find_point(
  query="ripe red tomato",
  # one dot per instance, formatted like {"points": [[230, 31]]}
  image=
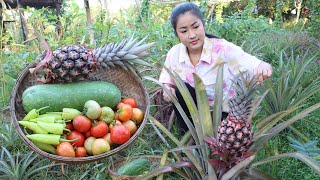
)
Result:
{"points": [[81, 152], [137, 116], [113, 123], [81, 123], [131, 126], [65, 149], [125, 112], [99, 130], [68, 126], [119, 105], [132, 102], [75, 134], [87, 134], [119, 134]]}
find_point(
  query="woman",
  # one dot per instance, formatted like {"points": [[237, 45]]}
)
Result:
{"points": [[199, 52]]}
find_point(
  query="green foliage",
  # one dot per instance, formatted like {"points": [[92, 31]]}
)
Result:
{"points": [[314, 18], [278, 16], [235, 28], [8, 135], [23, 167], [293, 83], [248, 9], [269, 45], [7, 85]]}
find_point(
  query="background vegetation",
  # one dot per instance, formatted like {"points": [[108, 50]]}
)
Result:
{"points": [[284, 33]]}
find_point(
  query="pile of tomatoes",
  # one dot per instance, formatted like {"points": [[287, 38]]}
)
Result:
{"points": [[100, 129]]}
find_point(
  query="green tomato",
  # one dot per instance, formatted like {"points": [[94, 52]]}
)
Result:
{"points": [[100, 146], [92, 109], [88, 144], [107, 115]]}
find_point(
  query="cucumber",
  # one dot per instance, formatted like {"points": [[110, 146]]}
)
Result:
{"points": [[72, 95], [135, 168]]}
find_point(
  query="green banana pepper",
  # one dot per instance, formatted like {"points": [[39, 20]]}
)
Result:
{"points": [[43, 119], [34, 113], [45, 147], [56, 116], [33, 127], [52, 139], [70, 113], [54, 128]]}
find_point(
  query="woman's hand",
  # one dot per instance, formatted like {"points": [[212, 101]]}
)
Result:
{"points": [[263, 71], [166, 97]]}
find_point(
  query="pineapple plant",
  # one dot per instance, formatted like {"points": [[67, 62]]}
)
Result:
{"points": [[75, 62], [235, 134]]}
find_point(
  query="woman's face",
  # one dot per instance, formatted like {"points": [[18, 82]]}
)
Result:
{"points": [[190, 31]]}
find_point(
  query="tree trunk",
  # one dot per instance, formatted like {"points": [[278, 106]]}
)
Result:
{"points": [[1, 15], [89, 21], [23, 23], [59, 25], [298, 4], [105, 5]]}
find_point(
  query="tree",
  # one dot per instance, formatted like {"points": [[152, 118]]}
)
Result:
{"points": [[89, 21]]}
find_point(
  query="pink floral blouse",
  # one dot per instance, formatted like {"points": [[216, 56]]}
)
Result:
{"points": [[215, 51]]}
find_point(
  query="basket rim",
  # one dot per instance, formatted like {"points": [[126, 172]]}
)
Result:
{"points": [[77, 160]]}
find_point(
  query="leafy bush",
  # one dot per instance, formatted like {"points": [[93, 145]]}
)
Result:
{"points": [[272, 43], [236, 28]]}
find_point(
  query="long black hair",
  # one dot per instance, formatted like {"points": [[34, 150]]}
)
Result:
{"points": [[183, 8]]}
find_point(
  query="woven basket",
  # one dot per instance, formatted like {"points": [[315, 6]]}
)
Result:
{"points": [[129, 84]]}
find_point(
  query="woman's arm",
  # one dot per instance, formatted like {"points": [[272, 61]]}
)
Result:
{"points": [[248, 62]]}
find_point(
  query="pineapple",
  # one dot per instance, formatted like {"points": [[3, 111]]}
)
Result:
{"points": [[234, 133], [234, 136], [74, 62]]}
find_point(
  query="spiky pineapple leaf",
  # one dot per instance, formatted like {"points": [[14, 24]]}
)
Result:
{"points": [[163, 161], [314, 165], [218, 99], [258, 174], [205, 120], [310, 148], [168, 168], [270, 121], [190, 156], [178, 106], [278, 128], [29, 167], [203, 106], [235, 169]]}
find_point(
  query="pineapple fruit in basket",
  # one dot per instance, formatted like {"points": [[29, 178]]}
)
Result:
{"points": [[74, 62]]}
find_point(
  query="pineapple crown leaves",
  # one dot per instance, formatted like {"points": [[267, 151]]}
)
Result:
{"points": [[244, 86], [125, 53]]}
